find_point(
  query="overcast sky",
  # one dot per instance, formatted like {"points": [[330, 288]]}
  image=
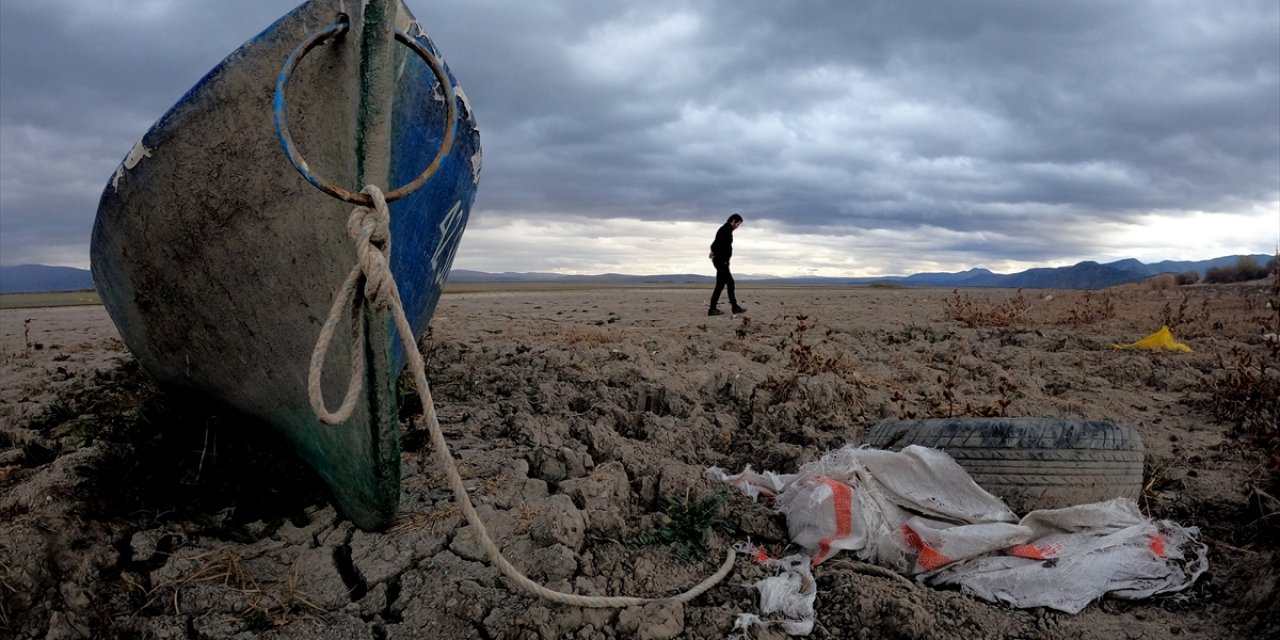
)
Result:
{"points": [[855, 137]]}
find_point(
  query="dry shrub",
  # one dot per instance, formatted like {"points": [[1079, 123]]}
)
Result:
{"points": [[943, 400], [1091, 309], [1186, 313], [982, 312], [1245, 392], [1245, 269], [812, 359], [1161, 282]]}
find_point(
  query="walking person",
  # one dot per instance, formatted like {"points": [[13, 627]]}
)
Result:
{"points": [[721, 252]]}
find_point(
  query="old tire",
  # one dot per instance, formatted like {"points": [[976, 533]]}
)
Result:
{"points": [[1031, 463]]}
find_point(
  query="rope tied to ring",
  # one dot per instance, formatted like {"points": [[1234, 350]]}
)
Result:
{"points": [[369, 229]]}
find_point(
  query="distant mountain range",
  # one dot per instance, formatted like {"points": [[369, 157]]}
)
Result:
{"points": [[38, 278], [1084, 275], [34, 278]]}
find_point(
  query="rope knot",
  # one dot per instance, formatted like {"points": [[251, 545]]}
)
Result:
{"points": [[370, 231]]}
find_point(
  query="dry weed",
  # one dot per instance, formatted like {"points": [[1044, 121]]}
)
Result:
{"points": [[525, 518], [982, 312], [264, 608], [1161, 282], [1244, 391], [942, 400], [1186, 313], [431, 521], [813, 359], [1091, 310], [491, 485]]}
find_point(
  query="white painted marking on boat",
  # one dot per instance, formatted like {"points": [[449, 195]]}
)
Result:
{"points": [[415, 29], [466, 103], [450, 230], [476, 161], [136, 154]]}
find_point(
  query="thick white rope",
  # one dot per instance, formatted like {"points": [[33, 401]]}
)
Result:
{"points": [[369, 229]]}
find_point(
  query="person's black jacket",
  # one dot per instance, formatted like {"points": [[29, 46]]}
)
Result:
{"points": [[723, 244]]}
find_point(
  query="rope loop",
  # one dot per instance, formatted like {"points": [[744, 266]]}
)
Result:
{"points": [[370, 231]]}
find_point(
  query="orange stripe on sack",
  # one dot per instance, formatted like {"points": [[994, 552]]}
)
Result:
{"points": [[911, 538], [1036, 551], [842, 497], [1027, 551], [929, 559], [1157, 546]]}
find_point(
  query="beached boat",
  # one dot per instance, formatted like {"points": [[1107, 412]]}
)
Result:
{"points": [[221, 240]]}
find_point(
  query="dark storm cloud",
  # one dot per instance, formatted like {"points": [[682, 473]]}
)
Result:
{"points": [[985, 130], [79, 83], [952, 113]]}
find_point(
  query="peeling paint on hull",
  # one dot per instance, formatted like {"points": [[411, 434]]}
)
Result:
{"points": [[136, 154]]}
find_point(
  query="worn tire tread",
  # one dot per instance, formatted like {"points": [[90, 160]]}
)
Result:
{"points": [[1031, 463]]}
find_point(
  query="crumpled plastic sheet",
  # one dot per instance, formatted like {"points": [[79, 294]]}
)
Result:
{"points": [[919, 513], [1161, 340], [786, 599]]}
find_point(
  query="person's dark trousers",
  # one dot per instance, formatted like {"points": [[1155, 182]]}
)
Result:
{"points": [[724, 279]]}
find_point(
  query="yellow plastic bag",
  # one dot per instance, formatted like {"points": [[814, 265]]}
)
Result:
{"points": [[1161, 340]]}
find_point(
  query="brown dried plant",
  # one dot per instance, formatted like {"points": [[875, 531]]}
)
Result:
{"points": [[1091, 310], [982, 312], [431, 521], [946, 402], [264, 608], [1185, 313], [811, 359], [525, 517], [1244, 391]]}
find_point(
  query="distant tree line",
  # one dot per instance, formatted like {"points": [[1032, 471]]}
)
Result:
{"points": [[1246, 268]]}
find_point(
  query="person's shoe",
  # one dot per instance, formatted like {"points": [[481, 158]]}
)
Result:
{"points": [[714, 312], [737, 309]]}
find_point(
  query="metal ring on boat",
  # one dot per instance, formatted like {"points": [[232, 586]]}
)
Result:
{"points": [[291, 150]]}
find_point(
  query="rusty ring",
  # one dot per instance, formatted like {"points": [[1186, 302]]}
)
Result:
{"points": [[291, 150]]}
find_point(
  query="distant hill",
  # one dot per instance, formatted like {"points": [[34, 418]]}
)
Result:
{"points": [[31, 278], [1092, 275], [38, 278], [1083, 275]]}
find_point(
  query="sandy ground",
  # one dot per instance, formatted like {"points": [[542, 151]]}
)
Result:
{"points": [[578, 418]]}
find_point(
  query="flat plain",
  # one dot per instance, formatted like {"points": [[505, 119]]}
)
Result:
{"points": [[583, 419]]}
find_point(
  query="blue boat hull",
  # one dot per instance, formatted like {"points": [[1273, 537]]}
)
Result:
{"points": [[218, 262]]}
